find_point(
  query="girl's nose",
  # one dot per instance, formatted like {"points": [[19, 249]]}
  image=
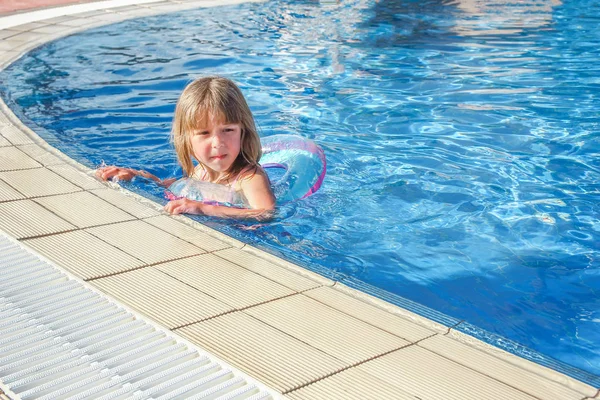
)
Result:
{"points": [[217, 140]]}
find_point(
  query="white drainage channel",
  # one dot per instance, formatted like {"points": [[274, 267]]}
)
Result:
{"points": [[59, 339]]}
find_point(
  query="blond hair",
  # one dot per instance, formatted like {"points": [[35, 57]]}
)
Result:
{"points": [[220, 99]]}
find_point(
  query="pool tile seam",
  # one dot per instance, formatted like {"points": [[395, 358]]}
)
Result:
{"points": [[185, 240], [369, 323], [215, 253], [353, 365], [234, 309], [542, 371], [480, 372]]}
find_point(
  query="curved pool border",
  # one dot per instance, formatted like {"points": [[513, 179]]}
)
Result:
{"points": [[301, 331]]}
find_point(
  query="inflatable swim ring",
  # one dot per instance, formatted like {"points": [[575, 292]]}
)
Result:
{"points": [[296, 167]]}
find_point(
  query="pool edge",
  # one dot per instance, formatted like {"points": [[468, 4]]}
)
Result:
{"points": [[353, 290]]}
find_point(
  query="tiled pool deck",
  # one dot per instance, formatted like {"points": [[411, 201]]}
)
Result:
{"points": [[304, 335]]}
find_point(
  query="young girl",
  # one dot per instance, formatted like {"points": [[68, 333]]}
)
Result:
{"points": [[214, 125]]}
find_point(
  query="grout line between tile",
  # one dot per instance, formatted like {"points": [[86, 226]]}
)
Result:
{"points": [[366, 322], [357, 364], [136, 268], [483, 373], [187, 241], [43, 196], [256, 273], [453, 327], [597, 396], [48, 234]]}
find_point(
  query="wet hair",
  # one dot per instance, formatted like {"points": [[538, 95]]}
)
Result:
{"points": [[217, 98]]}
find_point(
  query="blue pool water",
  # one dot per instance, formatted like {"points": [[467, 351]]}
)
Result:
{"points": [[462, 142]]}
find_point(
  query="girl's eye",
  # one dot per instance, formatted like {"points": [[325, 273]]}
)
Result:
{"points": [[202, 133]]}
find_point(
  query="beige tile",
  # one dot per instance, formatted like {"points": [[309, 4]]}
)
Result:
{"points": [[329, 330], [501, 370], [313, 276], [4, 120], [187, 233], [28, 26], [162, 298], [4, 142], [83, 209], [12, 158], [14, 135], [77, 177], [427, 375], [265, 268], [225, 281], [38, 182], [24, 218], [127, 203], [393, 309], [75, 21], [50, 29], [25, 36], [7, 58], [84, 255], [8, 44], [350, 384], [144, 241], [375, 316], [7, 33], [267, 354], [522, 363], [7, 193], [40, 155]]}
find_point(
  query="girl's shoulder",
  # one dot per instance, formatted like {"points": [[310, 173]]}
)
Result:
{"points": [[250, 173]]}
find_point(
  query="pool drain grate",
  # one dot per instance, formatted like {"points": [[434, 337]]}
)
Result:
{"points": [[59, 339]]}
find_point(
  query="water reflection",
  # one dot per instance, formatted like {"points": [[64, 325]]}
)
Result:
{"points": [[503, 17]]}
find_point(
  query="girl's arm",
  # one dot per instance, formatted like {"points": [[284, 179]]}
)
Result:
{"points": [[256, 189], [127, 174]]}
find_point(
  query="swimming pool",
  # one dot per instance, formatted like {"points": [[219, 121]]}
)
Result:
{"points": [[461, 143]]}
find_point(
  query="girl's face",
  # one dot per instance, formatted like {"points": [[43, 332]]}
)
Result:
{"points": [[217, 146]]}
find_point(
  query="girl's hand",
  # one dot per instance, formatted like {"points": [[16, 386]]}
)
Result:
{"points": [[185, 206], [111, 172]]}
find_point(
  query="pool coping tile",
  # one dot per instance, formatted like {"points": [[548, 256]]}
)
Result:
{"points": [[225, 281], [75, 208], [77, 177], [26, 218], [40, 155], [162, 298], [425, 374], [38, 182], [523, 364], [12, 159], [267, 354], [14, 135], [205, 241], [144, 241], [8, 193], [84, 255], [497, 368], [127, 202], [350, 384], [338, 334], [285, 276], [232, 332], [399, 325]]}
